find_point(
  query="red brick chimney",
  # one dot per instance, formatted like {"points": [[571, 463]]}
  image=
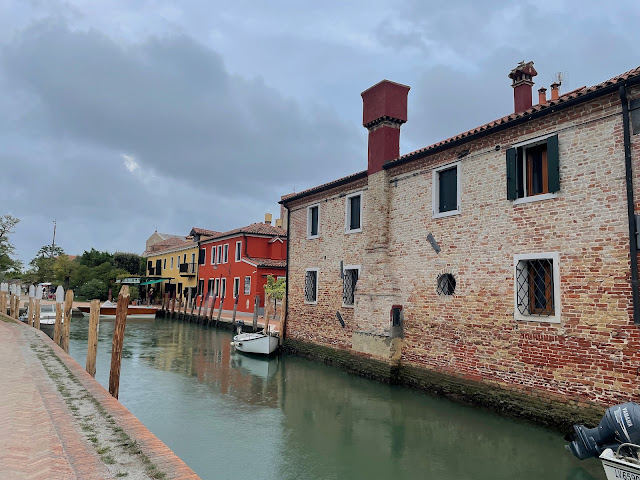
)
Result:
{"points": [[522, 77], [555, 90], [542, 96], [384, 110]]}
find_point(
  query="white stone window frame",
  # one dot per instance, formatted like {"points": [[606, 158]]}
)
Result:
{"points": [[236, 287], [317, 270], [223, 288], [435, 190], [344, 271], [533, 142], [216, 287], [347, 212], [213, 255], [219, 256], [238, 256], [247, 291], [309, 208], [555, 258], [225, 253]]}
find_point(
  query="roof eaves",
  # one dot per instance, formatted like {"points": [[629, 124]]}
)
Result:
{"points": [[568, 100], [326, 186]]}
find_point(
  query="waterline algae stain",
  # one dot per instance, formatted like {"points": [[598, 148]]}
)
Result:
{"points": [[290, 418]]}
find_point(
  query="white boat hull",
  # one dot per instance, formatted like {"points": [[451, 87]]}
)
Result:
{"points": [[618, 469], [257, 343]]}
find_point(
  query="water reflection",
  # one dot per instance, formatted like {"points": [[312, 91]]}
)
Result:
{"points": [[294, 419]]}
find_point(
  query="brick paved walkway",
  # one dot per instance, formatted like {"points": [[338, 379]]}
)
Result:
{"points": [[41, 438]]}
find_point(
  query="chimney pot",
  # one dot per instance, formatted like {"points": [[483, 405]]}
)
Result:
{"points": [[384, 110], [522, 77], [542, 96], [555, 90], [267, 218]]}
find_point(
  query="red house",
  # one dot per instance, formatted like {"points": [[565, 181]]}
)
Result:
{"points": [[236, 264]]}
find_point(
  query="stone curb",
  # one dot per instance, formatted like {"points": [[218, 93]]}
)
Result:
{"points": [[161, 455]]}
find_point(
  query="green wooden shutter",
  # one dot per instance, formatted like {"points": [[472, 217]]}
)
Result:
{"points": [[512, 174], [553, 163]]}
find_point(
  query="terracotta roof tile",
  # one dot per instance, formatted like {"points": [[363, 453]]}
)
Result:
{"points": [[255, 228], [204, 231], [267, 262]]}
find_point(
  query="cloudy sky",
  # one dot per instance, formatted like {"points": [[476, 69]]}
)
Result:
{"points": [[119, 117]]}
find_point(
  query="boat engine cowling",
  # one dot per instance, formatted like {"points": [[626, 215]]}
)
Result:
{"points": [[620, 424]]}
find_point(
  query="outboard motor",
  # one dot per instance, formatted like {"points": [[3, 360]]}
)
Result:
{"points": [[620, 424]]}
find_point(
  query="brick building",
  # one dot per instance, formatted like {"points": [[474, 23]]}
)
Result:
{"points": [[494, 265]]}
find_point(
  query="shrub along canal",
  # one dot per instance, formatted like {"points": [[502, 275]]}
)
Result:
{"points": [[229, 416]]}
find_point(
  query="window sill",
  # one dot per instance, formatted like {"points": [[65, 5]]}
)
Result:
{"points": [[535, 198], [310, 303], [537, 318], [348, 306], [311, 237], [357, 230], [450, 213]]}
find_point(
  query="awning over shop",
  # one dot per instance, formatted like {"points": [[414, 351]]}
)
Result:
{"points": [[149, 282]]}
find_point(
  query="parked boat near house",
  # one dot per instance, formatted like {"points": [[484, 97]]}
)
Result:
{"points": [[108, 310], [259, 343]]}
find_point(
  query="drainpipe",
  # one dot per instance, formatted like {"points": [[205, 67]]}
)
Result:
{"points": [[633, 247], [286, 286]]}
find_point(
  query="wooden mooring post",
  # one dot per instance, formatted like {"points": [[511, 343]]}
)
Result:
{"points": [[173, 303], [30, 311], [213, 307], [193, 302], [3, 301], [66, 325], [256, 307], [57, 328], [283, 313], [118, 339], [179, 306], [11, 305], [200, 308], [92, 346], [219, 310], [235, 309], [267, 302], [36, 318]]}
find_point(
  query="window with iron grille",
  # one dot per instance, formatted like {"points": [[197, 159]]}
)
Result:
{"points": [[311, 285], [536, 287], [446, 284], [247, 285], [349, 281]]}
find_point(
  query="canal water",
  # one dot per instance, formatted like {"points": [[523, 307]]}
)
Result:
{"points": [[230, 416]]}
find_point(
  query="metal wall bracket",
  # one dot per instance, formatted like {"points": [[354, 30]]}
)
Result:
{"points": [[433, 243]]}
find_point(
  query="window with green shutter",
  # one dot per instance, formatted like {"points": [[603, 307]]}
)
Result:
{"points": [[533, 169], [446, 190]]}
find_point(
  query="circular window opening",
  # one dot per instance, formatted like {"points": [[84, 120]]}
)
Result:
{"points": [[446, 284]]}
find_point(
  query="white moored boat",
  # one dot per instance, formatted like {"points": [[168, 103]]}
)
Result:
{"points": [[259, 343], [624, 463]]}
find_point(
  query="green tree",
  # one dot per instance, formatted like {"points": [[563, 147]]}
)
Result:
{"points": [[93, 289], [276, 289], [63, 269], [127, 261], [49, 251], [94, 258], [7, 225]]}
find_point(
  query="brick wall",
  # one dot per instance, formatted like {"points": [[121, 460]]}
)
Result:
{"points": [[592, 355]]}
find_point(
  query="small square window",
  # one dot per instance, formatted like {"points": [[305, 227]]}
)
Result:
{"points": [[446, 190], [311, 286], [353, 216], [349, 281], [313, 221], [537, 292]]}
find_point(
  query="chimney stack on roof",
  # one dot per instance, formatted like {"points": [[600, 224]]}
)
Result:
{"points": [[267, 218], [542, 96], [522, 77], [555, 90], [384, 110]]}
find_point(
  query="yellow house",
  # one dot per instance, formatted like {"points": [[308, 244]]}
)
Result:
{"points": [[175, 259]]}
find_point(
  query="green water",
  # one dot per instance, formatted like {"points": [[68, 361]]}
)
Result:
{"points": [[229, 416]]}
